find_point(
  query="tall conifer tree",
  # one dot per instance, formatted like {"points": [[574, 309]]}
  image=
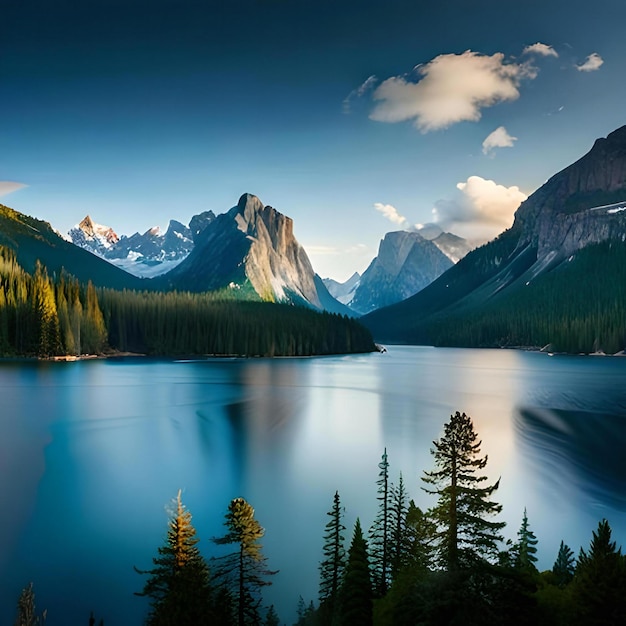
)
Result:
{"points": [[380, 532], [355, 596], [463, 509], [178, 585], [333, 565], [244, 572], [526, 547]]}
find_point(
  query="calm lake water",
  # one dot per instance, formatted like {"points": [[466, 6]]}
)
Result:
{"points": [[92, 452]]}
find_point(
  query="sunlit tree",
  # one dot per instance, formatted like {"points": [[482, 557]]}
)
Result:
{"points": [[244, 572], [178, 585]]}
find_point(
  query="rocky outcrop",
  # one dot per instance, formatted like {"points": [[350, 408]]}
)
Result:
{"points": [[253, 246], [406, 263], [581, 204]]}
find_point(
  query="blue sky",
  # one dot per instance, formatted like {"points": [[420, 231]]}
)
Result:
{"points": [[353, 118]]}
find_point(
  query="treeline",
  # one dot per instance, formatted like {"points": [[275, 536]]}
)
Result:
{"points": [[48, 316], [446, 565], [579, 306]]}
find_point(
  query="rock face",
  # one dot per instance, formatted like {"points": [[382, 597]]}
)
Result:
{"points": [[253, 245], [148, 254], [584, 204], [406, 263], [581, 204]]}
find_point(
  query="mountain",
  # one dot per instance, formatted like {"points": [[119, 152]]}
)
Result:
{"points": [[555, 277], [344, 292], [406, 263], [32, 239], [148, 254], [251, 249]]}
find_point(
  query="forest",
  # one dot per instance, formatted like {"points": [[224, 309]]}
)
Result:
{"points": [[47, 316], [447, 565]]}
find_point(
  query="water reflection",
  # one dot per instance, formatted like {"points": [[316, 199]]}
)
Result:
{"points": [[92, 452], [570, 452]]}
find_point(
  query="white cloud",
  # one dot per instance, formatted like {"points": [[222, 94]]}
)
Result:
{"points": [[541, 49], [499, 138], [451, 88], [359, 92], [392, 214], [7, 187], [482, 210], [591, 64]]}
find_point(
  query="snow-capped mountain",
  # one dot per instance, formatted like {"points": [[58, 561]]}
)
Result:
{"points": [[149, 254], [344, 292]]}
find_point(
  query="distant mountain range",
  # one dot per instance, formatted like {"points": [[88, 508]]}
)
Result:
{"points": [[149, 254], [407, 261], [556, 278]]}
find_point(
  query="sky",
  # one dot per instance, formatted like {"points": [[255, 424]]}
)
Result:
{"points": [[354, 118]]}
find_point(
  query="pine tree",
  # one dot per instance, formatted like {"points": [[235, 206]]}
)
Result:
{"points": [[464, 531], [178, 585], [355, 595], [420, 537], [271, 619], [525, 548], [599, 581], [243, 572], [564, 566], [380, 532], [26, 611], [399, 539], [333, 565]]}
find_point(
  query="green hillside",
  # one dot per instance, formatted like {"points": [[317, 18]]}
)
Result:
{"points": [[32, 239]]}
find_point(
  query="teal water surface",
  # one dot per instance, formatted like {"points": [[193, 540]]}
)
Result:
{"points": [[91, 453]]}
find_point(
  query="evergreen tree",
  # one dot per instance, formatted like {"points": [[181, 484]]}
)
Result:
{"points": [[420, 537], [355, 595], [599, 581], [525, 548], [380, 532], [26, 611], [243, 572], [399, 543], [333, 565], [464, 531], [564, 566], [271, 619], [178, 585]]}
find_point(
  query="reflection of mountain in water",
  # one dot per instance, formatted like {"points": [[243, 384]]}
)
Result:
{"points": [[571, 447]]}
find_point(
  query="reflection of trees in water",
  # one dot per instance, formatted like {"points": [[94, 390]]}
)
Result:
{"points": [[580, 448]]}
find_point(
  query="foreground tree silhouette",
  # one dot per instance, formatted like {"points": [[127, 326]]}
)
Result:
{"points": [[355, 595], [599, 581], [380, 532], [464, 532], [243, 572], [333, 565], [564, 566], [525, 548], [178, 585]]}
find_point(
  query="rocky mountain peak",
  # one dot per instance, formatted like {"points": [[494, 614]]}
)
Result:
{"points": [[576, 206]]}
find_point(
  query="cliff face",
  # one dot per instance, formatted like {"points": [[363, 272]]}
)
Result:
{"points": [[581, 204], [276, 264], [253, 243], [406, 263]]}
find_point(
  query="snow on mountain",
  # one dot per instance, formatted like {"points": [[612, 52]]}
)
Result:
{"points": [[146, 255], [344, 292]]}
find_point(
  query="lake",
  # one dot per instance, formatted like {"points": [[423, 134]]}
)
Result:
{"points": [[92, 452]]}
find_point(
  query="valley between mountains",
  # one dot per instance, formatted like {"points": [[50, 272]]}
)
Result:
{"points": [[555, 280]]}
